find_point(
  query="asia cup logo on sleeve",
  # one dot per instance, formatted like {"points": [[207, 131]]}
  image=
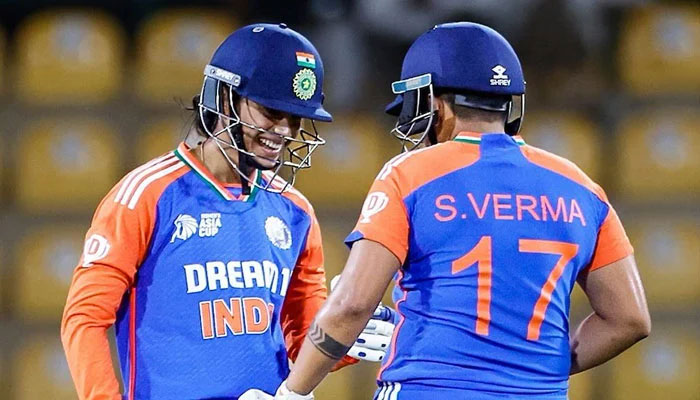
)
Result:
{"points": [[375, 202], [278, 233]]}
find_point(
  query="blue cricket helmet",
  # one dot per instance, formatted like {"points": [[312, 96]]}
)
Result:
{"points": [[462, 57], [272, 65]]}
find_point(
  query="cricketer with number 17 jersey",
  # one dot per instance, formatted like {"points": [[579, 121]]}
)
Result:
{"points": [[492, 234]]}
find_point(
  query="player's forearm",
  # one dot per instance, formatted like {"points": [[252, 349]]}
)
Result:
{"points": [[89, 359], [93, 299], [329, 338], [598, 340]]}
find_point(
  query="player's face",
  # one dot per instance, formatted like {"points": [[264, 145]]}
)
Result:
{"points": [[267, 146]]}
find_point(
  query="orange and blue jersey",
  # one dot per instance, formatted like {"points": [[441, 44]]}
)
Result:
{"points": [[492, 234], [210, 290]]}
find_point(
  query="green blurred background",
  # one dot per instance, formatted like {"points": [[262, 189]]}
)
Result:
{"points": [[89, 90]]}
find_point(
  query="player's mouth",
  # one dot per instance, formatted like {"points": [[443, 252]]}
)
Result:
{"points": [[271, 148]]}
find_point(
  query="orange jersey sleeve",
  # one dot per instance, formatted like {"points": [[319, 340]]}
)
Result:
{"points": [[384, 218], [306, 293], [613, 243], [115, 246]]}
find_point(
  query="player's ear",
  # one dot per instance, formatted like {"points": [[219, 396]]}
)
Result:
{"points": [[445, 117]]}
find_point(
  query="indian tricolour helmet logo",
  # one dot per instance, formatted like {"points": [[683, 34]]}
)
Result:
{"points": [[278, 233]]}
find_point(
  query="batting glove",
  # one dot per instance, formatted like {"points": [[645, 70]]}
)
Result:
{"points": [[373, 342], [283, 393]]}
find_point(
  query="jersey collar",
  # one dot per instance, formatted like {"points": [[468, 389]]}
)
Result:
{"points": [[182, 152], [475, 137]]}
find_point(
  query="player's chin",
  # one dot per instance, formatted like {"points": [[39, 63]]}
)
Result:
{"points": [[266, 162]]}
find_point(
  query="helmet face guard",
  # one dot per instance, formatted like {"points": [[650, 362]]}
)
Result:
{"points": [[295, 156], [416, 118]]}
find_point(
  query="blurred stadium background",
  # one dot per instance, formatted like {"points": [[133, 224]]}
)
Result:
{"points": [[88, 91]]}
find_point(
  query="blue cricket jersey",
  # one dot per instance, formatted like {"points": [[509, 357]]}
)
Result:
{"points": [[492, 234], [204, 284]]}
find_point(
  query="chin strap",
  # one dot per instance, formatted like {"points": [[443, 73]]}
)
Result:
{"points": [[244, 161]]}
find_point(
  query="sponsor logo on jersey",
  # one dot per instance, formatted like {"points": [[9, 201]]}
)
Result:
{"points": [[374, 203], [278, 233], [96, 248], [220, 275], [244, 315], [499, 78]]}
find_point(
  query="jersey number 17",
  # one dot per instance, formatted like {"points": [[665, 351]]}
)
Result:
{"points": [[481, 255]]}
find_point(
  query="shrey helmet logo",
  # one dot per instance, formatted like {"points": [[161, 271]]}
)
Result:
{"points": [[96, 248], [375, 202], [304, 84], [278, 233], [499, 70], [185, 226], [499, 78]]}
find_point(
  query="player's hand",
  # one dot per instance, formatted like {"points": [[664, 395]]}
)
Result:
{"points": [[283, 393], [255, 394], [373, 342]]}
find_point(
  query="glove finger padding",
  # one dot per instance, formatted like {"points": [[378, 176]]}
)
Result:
{"points": [[362, 353], [373, 342], [376, 327]]}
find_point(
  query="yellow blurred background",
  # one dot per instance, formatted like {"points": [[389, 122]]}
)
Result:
{"points": [[88, 90]]}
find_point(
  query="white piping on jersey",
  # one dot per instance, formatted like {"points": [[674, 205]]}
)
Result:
{"points": [[395, 162], [380, 396], [147, 181], [133, 184], [135, 172], [390, 391]]}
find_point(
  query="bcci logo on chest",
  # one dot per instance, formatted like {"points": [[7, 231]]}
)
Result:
{"points": [[186, 226], [278, 233]]}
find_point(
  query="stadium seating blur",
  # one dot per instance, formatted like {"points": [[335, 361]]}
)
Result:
{"points": [[4, 273], [668, 254], [581, 386], [65, 165], [3, 46], [174, 46], [72, 56], [659, 49], [658, 155], [159, 137], [568, 135], [44, 262], [334, 250], [356, 149], [87, 93], [664, 366], [40, 370]]}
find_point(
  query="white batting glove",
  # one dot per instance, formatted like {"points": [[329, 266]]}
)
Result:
{"points": [[255, 394], [283, 393], [373, 342]]}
